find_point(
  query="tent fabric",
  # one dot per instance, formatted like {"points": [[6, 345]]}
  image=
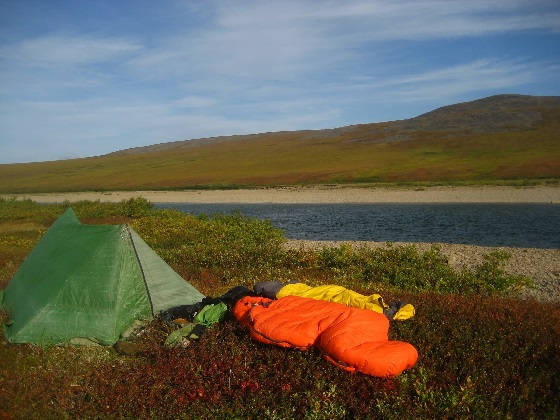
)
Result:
{"points": [[351, 338], [167, 288], [88, 282]]}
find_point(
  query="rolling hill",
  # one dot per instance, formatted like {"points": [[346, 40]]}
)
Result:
{"points": [[504, 137]]}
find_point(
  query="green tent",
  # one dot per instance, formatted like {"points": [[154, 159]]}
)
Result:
{"points": [[89, 283]]}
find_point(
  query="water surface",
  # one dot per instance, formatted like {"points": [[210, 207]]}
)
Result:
{"points": [[516, 225]]}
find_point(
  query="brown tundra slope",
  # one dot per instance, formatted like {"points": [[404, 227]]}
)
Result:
{"points": [[504, 137]]}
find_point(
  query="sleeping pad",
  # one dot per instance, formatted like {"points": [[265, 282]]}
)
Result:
{"points": [[339, 294], [351, 338]]}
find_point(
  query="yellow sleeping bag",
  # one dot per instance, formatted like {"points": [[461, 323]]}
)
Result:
{"points": [[339, 294]]}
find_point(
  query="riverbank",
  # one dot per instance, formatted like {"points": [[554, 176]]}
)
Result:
{"points": [[320, 194], [541, 265]]}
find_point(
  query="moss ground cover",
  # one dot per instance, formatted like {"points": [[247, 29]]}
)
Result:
{"points": [[482, 353]]}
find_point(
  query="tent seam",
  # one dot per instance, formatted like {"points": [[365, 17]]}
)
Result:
{"points": [[141, 270]]}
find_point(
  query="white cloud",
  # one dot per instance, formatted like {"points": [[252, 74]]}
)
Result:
{"points": [[271, 40], [60, 50], [478, 76], [253, 66], [446, 83], [385, 20], [58, 129], [194, 102], [484, 70]]}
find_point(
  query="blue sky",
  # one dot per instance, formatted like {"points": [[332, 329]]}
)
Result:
{"points": [[82, 78]]}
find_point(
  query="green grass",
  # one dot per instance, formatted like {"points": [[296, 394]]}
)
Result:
{"points": [[483, 353]]}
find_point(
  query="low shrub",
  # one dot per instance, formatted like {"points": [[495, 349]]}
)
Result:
{"points": [[405, 268], [490, 276], [239, 250], [12, 210], [481, 355]]}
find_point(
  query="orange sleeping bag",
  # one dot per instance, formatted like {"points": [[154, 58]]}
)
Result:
{"points": [[351, 338]]}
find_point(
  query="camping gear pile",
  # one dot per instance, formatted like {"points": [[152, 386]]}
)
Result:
{"points": [[350, 329], [196, 317], [92, 284]]}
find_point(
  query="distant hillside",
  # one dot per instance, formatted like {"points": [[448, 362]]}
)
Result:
{"points": [[488, 115], [500, 137]]}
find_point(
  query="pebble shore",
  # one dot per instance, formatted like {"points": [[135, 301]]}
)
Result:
{"points": [[321, 194]]}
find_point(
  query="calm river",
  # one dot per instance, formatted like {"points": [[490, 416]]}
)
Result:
{"points": [[516, 225]]}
